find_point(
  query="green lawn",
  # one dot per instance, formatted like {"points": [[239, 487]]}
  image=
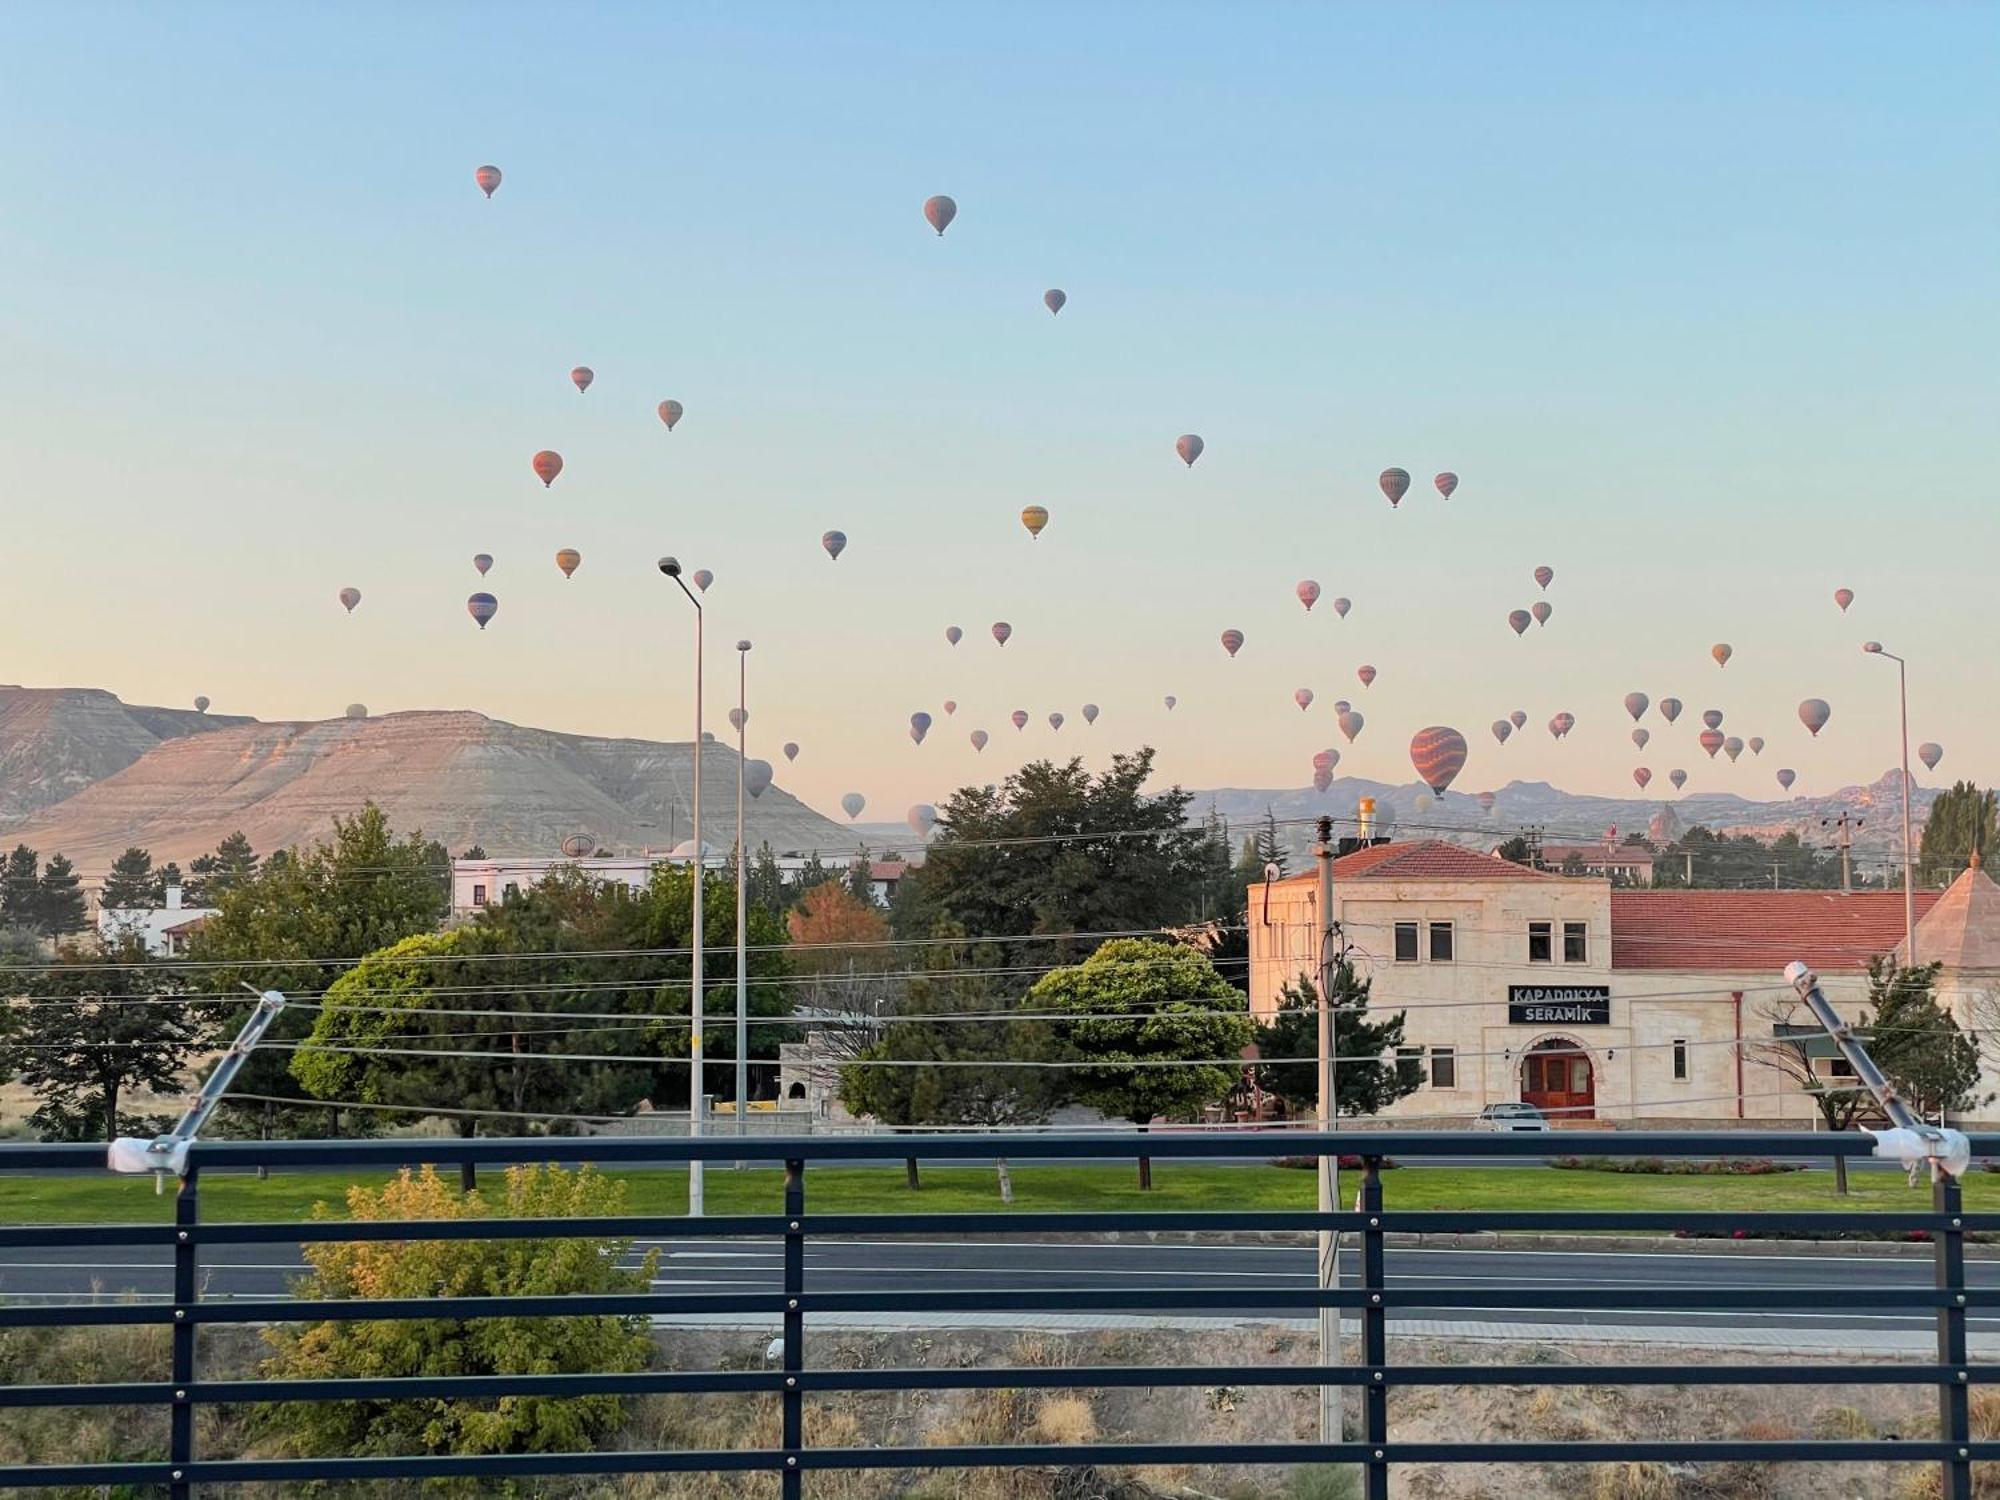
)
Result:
{"points": [[108, 1199]]}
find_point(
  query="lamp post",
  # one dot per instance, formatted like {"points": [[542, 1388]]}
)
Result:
{"points": [[742, 718], [672, 568], [1874, 648]]}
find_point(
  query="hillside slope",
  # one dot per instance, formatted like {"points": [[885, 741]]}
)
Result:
{"points": [[54, 742]]}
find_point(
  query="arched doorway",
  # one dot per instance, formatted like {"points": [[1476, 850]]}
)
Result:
{"points": [[1557, 1078]]}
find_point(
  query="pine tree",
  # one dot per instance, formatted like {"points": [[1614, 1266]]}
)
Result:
{"points": [[213, 876], [1360, 1088], [21, 889], [1916, 1042], [861, 876], [60, 906], [130, 884], [1961, 822], [167, 877]]}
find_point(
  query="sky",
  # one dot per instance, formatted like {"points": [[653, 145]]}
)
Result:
{"points": [[1699, 301]]}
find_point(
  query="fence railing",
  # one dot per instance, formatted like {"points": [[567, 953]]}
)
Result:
{"points": [[1372, 1296]]}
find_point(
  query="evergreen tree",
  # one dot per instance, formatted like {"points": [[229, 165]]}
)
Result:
{"points": [[165, 878], [21, 889], [767, 883], [1961, 822], [1360, 1088], [861, 876], [131, 883], [475, 852], [1916, 1042], [232, 866], [60, 905]]}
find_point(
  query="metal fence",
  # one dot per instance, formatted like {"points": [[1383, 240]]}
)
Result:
{"points": [[1375, 1451]]}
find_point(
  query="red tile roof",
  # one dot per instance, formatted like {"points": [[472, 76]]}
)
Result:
{"points": [[1429, 859], [1755, 930]]}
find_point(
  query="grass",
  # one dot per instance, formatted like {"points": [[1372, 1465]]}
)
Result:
{"points": [[28, 1199]]}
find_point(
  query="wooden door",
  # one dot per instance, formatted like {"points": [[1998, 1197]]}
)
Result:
{"points": [[1560, 1082]]}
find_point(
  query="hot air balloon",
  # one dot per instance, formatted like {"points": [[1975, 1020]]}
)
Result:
{"points": [[1554, 727], [1756, 743], [1322, 780], [1001, 630], [482, 561], [835, 543], [979, 738], [922, 818], [581, 378], [1170, 700], [951, 706], [1711, 718], [1640, 736], [1722, 651], [1034, 517], [547, 464], [1486, 801], [569, 560], [702, 578], [1678, 778], [1518, 718], [1308, 593], [1019, 718], [1342, 606], [1636, 705], [953, 634], [1711, 741], [1056, 721], [1395, 484], [1325, 760], [1786, 777], [920, 725], [1843, 597], [1053, 299], [1502, 729], [1670, 709], [939, 211], [1565, 721], [357, 710], [1438, 753], [670, 413], [1732, 747], [738, 717], [791, 749], [756, 776], [1366, 674], [488, 179], [1541, 609], [1304, 698], [1340, 706], [1929, 752], [1232, 641], [1545, 575], [1446, 483], [1642, 776], [1813, 713], [1351, 724], [1189, 445], [1090, 713], [482, 607], [349, 597], [851, 804], [201, 707], [1519, 620]]}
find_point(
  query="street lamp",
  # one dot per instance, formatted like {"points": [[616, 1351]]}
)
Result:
{"points": [[1874, 648], [671, 566], [742, 718]]}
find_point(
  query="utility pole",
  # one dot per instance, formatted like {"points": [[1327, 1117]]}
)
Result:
{"points": [[1844, 826], [696, 1099], [1332, 1398]]}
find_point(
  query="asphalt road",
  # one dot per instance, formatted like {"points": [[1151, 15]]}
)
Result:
{"points": [[267, 1271]]}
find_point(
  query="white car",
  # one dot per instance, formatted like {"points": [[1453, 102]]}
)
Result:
{"points": [[1512, 1117]]}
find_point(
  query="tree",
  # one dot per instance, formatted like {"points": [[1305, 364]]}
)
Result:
{"points": [[1265, 848], [93, 1030], [1916, 1042], [1961, 823], [166, 878], [21, 889], [1517, 850], [841, 942], [475, 852], [765, 886], [1360, 1088], [130, 884], [1161, 1025], [213, 876], [452, 1347], [1797, 1041], [61, 907], [861, 876]]}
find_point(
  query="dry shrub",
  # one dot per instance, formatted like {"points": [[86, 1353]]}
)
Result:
{"points": [[1633, 1481], [1985, 1405], [1039, 1351], [1066, 1420], [1766, 1431], [1842, 1424]]}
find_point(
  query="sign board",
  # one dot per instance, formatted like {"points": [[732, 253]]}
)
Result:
{"points": [[1559, 1004]]}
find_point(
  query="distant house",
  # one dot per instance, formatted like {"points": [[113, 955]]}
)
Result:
{"points": [[164, 930], [1623, 864], [479, 883]]}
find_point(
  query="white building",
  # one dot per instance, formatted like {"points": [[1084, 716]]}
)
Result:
{"points": [[478, 883], [164, 930]]}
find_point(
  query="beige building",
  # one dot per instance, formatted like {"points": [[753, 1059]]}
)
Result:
{"points": [[1595, 1003]]}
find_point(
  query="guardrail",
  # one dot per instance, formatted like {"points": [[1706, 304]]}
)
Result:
{"points": [[1376, 1451]]}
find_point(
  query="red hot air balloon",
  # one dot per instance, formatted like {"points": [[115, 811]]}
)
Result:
{"points": [[482, 607], [1395, 484], [547, 464], [1366, 674], [1342, 606], [1545, 575], [939, 211], [1518, 620], [1722, 651], [1711, 718], [1053, 299], [670, 413], [1930, 752], [1001, 631], [1642, 776], [1636, 705], [581, 378], [1711, 741], [569, 560], [488, 179], [1325, 760], [1786, 777], [1446, 483], [1541, 609], [1502, 730], [1438, 753], [1232, 641], [1019, 717], [1813, 713], [1670, 709], [1843, 597], [1189, 445], [1308, 593], [1678, 778]]}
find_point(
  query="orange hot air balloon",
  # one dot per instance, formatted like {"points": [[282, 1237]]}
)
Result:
{"points": [[569, 559], [1722, 651], [1034, 517], [548, 464], [581, 378], [939, 211], [488, 179], [1438, 753], [1189, 445], [1843, 597], [670, 413], [1395, 484]]}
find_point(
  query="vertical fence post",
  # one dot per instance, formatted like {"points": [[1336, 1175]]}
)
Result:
{"points": [[1374, 1334], [795, 1325], [180, 1425], [1954, 1405]]}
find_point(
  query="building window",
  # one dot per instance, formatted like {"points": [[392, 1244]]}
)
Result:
{"points": [[1680, 1059], [1539, 943], [513, 889], [1837, 1067], [1444, 1067], [1406, 942], [479, 895], [1576, 945], [1410, 1064], [1440, 942]]}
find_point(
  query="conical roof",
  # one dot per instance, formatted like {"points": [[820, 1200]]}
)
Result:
{"points": [[1962, 931]]}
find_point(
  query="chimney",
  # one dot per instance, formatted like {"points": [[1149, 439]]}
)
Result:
{"points": [[173, 898]]}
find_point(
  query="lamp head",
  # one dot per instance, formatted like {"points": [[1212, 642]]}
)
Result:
{"points": [[742, 645], [1271, 872], [1873, 648], [671, 566]]}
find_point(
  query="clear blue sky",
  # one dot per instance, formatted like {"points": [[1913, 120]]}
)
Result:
{"points": [[1700, 300]]}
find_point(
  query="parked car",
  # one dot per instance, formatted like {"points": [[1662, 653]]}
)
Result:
{"points": [[1512, 1117]]}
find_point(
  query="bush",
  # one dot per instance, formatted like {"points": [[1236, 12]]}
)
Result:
{"points": [[443, 1269], [1657, 1166], [1348, 1163]]}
